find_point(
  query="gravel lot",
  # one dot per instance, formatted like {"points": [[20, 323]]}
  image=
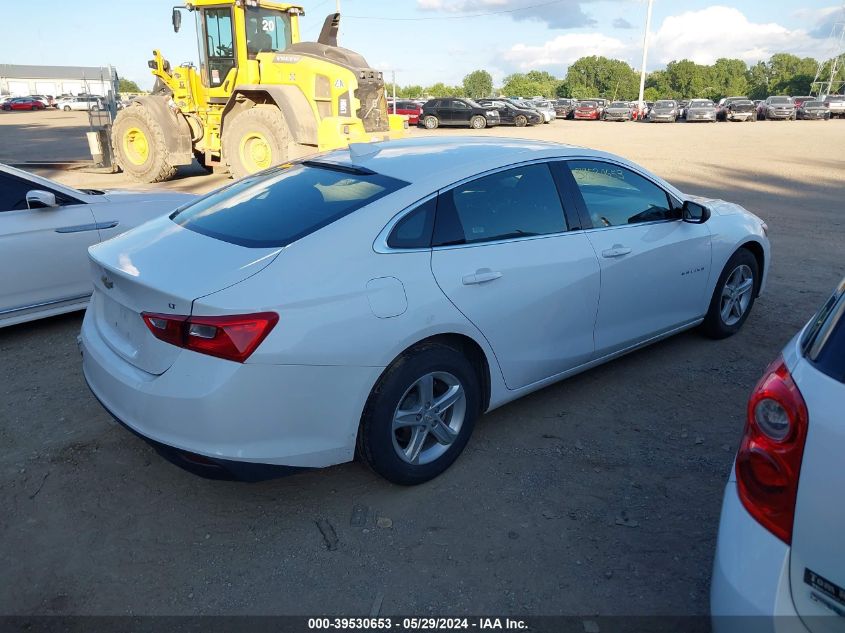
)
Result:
{"points": [[599, 495]]}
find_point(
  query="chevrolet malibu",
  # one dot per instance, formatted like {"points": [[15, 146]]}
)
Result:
{"points": [[779, 551], [377, 300]]}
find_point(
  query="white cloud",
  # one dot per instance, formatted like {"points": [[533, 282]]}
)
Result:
{"points": [[557, 14], [702, 36], [565, 49]]}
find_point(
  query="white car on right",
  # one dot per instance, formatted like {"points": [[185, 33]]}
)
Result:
{"points": [[780, 554]]}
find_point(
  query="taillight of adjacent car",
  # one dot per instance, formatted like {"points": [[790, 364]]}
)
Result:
{"points": [[231, 337], [769, 459]]}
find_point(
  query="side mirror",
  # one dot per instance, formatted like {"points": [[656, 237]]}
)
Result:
{"points": [[177, 19], [37, 199], [694, 213]]}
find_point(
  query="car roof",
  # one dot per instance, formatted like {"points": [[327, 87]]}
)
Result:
{"points": [[440, 161]]}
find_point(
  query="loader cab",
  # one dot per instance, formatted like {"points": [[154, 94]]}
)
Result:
{"points": [[230, 35]]}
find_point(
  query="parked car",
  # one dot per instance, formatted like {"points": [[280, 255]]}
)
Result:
{"points": [[797, 101], [80, 103], [23, 103], [47, 100], [258, 327], [587, 110], [701, 110], [736, 109], [564, 108], [812, 110], [530, 105], [777, 107], [601, 104], [462, 112], [618, 111], [546, 109], [778, 556], [409, 109], [509, 114], [836, 105], [46, 229], [665, 110]]}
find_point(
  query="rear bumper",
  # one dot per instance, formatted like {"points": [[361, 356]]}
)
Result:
{"points": [[749, 590], [237, 416]]}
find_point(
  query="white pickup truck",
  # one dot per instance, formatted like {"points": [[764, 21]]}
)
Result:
{"points": [[836, 105]]}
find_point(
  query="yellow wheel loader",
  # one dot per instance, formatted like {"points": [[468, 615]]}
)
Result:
{"points": [[259, 98]]}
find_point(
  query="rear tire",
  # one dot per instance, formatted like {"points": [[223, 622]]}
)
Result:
{"points": [[256, 139], [389, 449], [730, 306], [478, 122], [66, 108], [138, 144], [430, 122]]}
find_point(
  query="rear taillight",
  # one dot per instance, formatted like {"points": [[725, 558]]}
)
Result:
{"points": [[232, 337], [769, 459]]}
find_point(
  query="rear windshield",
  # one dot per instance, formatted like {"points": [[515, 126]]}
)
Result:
{"points": [[780, 100], [664, 104], [836, 98], [618, 104], [587, 104], [700, 103], [813, 104], [824, 340], [281, 205]]}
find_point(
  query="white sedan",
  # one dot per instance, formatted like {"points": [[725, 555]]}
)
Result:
{"points": [[45, 231], [381, 298], [780, 550]]}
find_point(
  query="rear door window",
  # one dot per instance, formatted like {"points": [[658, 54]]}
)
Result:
{"points": [[519, 202], [281, 205]]}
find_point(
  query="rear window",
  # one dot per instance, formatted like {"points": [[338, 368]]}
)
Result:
{"points": [[824, 340], [281, 205]]}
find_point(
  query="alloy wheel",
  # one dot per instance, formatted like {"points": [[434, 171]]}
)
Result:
{"points": [[428, 418], [736, 294]]}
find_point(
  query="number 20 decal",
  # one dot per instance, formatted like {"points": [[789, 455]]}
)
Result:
{"points": [[268, 24]]}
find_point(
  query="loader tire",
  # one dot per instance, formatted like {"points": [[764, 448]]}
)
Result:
{"points": [[256, 139], [139, 146]]}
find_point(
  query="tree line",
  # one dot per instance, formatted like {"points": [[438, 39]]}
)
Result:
{"points": [[597, 76]]}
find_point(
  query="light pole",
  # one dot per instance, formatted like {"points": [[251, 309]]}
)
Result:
{"points": [[645, 53]]}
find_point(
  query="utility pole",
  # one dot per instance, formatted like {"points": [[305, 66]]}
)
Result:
{"points": [[394, 89], [645, 53]]}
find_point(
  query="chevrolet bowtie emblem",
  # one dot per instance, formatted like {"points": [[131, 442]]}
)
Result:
{"points": [[108, 283]]}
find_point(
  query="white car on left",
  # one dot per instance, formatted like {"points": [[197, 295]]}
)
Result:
{"points": [[45, 231]]}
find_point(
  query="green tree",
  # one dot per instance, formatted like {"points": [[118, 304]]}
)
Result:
{"points": [[791, 75], [477, 84], [127, 85], [597, 76], [531, 84], [728, 78], [442, 90]]}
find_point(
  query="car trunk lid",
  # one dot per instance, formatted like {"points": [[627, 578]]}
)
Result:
{"points": [[162, 268]]}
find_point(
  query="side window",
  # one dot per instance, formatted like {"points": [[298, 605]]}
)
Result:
{"points": [[12, 194], [415, 229], [219, 45], [459, 105], [518, 202], [614, 195]]}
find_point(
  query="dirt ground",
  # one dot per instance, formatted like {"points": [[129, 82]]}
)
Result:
{"points": [[599, 495]]}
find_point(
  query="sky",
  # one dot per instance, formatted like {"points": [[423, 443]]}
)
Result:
{"points": [[426, 41]]}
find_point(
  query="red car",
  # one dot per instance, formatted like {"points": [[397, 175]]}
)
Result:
{"points": [[588, 110], [23, 103], [410, 109]]}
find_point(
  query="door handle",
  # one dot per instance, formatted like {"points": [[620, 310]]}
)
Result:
{"points": [[617, 251], [481, 276]]}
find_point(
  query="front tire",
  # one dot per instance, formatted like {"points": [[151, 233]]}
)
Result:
{"points": [[430, 122], [520, 121], [734, 296], [478, 122], [138, 143], [256, 139], [420, 415], [66, 108]]}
